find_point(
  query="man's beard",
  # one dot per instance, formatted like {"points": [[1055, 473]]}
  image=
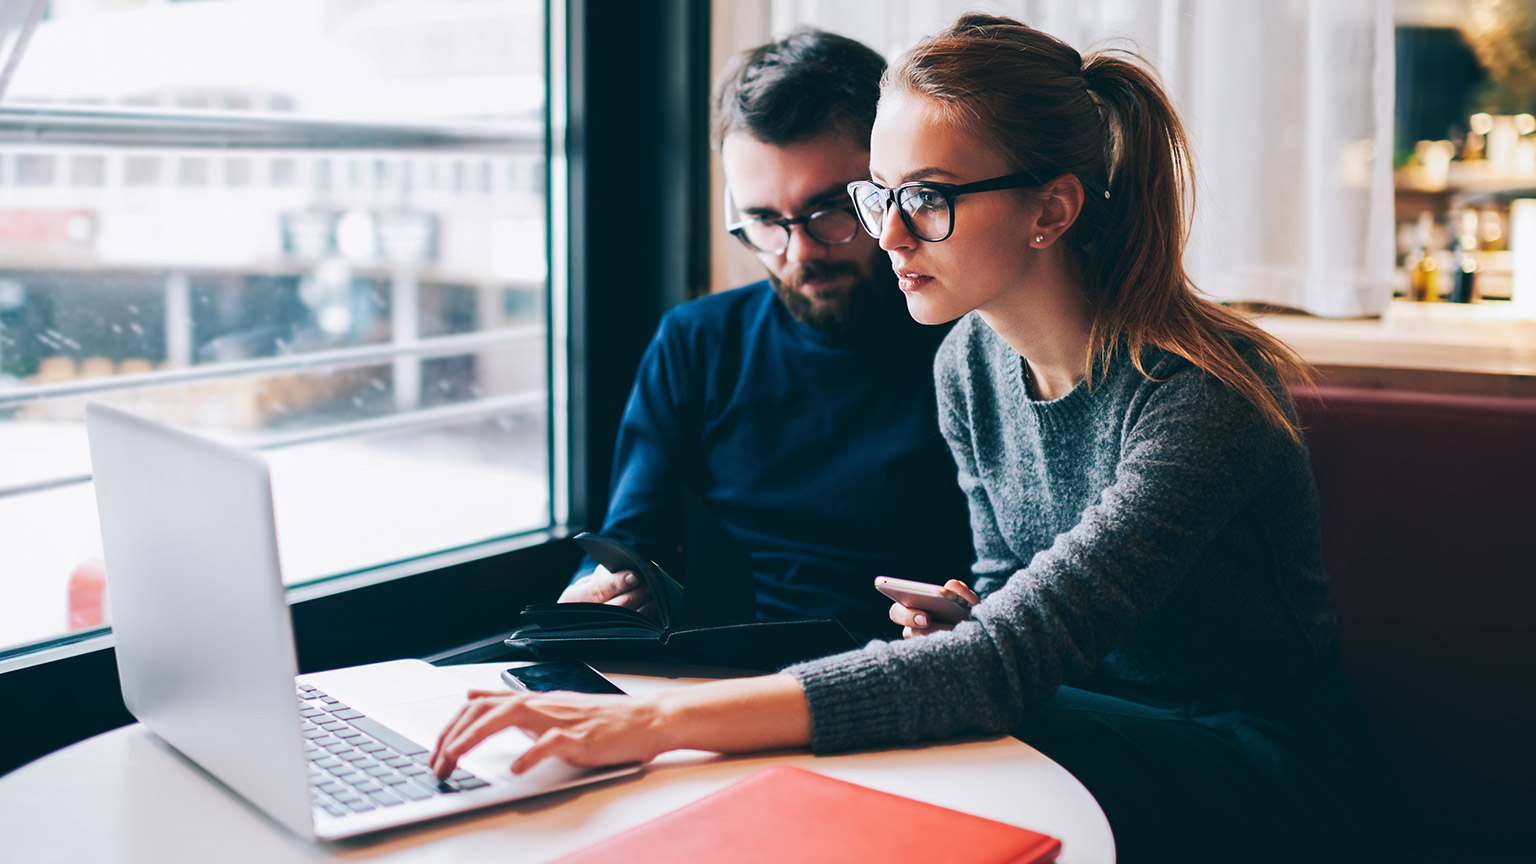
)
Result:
{"points": [[867, 302]]}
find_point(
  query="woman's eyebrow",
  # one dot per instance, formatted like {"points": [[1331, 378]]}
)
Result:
{"points": [[918, 174]]}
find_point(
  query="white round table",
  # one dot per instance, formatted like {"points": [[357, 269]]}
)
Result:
{"points": [[124, 796]]}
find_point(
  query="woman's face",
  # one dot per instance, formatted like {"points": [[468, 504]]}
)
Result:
{"points": [[988, 254]]}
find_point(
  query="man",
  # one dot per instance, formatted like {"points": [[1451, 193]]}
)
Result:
{"points": [[800, 410]]}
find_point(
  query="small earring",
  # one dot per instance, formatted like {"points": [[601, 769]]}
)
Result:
{"points": [[1039, 238]]}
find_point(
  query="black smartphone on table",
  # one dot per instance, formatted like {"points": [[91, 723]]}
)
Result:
{"points": [[567, 675]]}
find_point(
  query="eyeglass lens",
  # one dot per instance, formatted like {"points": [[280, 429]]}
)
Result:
{"points": [[833, 227], [925, 211]]}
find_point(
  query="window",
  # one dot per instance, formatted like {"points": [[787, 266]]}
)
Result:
{"points": [[311, 227]]}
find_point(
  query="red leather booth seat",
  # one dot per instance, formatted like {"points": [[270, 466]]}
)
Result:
{"points": [[1429, 536]]}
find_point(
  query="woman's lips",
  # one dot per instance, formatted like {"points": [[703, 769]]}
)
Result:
{"points": [[909, 280]]}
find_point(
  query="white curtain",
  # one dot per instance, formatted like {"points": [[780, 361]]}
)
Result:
{"points": [[1289, 109]]}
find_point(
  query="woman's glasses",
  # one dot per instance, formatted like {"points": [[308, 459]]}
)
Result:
{"points": [[927, 209]]}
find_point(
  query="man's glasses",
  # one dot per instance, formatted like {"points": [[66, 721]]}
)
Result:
{"points": [[834, 227], [927, 209]]}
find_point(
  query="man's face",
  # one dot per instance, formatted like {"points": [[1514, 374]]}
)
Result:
{"points": [[823, 285]]}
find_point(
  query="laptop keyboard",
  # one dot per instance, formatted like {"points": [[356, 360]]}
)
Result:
{"points": [[357, 764]]}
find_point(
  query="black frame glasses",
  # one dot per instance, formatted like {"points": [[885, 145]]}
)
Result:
{"points": [[815, 223], [863, 190]]}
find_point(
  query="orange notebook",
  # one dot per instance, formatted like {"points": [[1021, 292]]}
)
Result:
{"points": [[786, 815]]}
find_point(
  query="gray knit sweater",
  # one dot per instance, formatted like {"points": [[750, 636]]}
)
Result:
{"points": [[1158, 538]]}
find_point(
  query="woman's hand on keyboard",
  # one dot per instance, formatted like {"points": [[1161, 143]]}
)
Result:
{"points": [[588, 730], [585, 730]]}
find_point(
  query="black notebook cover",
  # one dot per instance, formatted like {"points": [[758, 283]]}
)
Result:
{"points": [[598, 631]]}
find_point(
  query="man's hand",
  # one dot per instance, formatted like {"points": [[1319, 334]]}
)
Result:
{"points": [[623, 588], [916, 622]]}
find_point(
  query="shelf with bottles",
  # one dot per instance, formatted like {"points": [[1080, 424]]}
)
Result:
{"points": [[1458, 256], [1454, 210]]}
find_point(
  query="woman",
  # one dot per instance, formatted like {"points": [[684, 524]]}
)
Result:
{"points": [[1142, 506]]}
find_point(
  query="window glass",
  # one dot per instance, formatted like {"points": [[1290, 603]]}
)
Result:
{"points": [[315, 228]]}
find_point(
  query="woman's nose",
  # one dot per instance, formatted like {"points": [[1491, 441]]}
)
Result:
{"points": [[893, 231]]}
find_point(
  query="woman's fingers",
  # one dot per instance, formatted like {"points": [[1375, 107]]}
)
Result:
{"points": [[580, 728], [535, 754], [563, 743], [906, 616], [963, 591], [472, 708], [915, 622], [476, 721], [938, 627]]}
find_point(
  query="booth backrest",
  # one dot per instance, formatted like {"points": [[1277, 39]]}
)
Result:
{"points": [[1429, 537]]}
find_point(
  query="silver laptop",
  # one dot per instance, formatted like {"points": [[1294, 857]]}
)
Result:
{"points": [[205, 653]]}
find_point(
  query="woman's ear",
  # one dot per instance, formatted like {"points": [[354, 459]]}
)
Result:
{"points": [[1060, 201]]}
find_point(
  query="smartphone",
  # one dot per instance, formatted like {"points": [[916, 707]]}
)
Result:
{"points": [[566, 675], [925, 596]]}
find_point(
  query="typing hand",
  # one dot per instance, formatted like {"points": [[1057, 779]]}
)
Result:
{"points": [[623, 588], [916, 622], [582, 729]]}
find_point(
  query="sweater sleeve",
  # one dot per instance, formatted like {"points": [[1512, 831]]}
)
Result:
{"points": [[1193, 453]]}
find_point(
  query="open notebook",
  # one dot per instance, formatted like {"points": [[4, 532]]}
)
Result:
{"points": [[680, 631]]}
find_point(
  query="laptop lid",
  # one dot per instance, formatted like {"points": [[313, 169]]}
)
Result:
{"points": [[203, 635]]}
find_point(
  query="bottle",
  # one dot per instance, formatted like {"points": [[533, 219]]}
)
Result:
{"points": [[1463, 274], [1424, 279], [1423, 275]]}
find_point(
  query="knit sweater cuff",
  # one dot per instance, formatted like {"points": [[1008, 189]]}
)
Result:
{"points": [[852, 699]]}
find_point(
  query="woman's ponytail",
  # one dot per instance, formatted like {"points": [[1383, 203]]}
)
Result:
{"points": [[1145, 297]]}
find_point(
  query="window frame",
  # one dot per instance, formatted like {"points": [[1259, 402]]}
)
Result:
{"points": [[220, 135], [628, 102]]}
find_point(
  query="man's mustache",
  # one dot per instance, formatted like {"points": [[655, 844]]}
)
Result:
{"points": [[820, 271]]}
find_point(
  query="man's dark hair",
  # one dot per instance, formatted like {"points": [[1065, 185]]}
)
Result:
{"points": [[809, 83]]}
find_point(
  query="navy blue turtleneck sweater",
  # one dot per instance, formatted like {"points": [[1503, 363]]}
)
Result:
{"points": [[821, 456]]}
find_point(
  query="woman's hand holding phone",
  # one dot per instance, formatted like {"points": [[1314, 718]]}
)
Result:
{"points": [[923, 608]]}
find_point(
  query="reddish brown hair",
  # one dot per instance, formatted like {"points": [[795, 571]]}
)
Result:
{"points": [[1106, 120]]}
